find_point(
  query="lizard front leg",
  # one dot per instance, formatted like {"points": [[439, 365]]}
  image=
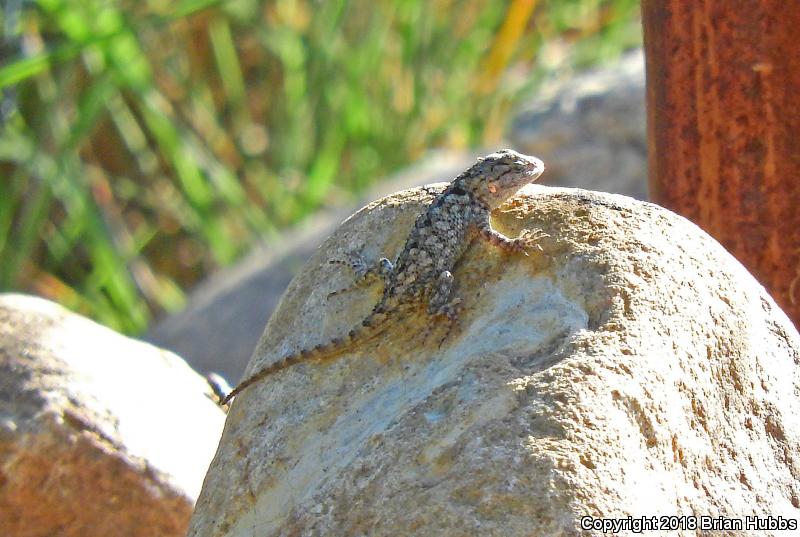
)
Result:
{"points": [[365, 273], [528, 239]]}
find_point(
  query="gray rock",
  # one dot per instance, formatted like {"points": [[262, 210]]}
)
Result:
{"points": [[631, 368], [99, 434], [591, 130]]}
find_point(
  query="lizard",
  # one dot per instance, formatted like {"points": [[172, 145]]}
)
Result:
{"points": [[422, 272]]}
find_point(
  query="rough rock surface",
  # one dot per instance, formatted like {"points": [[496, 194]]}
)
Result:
{"points": [[99, 434], [589, 130], [631, 368]]}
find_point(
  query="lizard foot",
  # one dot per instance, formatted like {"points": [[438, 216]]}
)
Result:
{"points": [[449, 314], [527, 240], [365, 274]]}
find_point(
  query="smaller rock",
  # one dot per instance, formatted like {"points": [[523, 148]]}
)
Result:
{"points": [[591, 129], [99, 434], [629, 369]]}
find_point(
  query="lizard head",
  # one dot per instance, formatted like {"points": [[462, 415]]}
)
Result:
{"points": [[497, 177]]}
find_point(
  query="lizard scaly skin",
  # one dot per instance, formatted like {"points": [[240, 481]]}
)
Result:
{"points": [[441, 234]]}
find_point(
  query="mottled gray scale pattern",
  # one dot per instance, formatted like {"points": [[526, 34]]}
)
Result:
{"points": [[423, 271]]}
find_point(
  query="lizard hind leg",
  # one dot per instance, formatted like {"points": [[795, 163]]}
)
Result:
{"points": [[440, 303], [442, 306]]}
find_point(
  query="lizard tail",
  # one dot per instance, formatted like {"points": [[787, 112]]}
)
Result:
{"points": [[370, 327]]}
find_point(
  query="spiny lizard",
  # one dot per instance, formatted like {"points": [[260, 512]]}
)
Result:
{"points": [[441, 234]]}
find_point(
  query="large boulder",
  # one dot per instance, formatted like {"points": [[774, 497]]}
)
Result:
{"points": [[99, 434], [632, 368]]}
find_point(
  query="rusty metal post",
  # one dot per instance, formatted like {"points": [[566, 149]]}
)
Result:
{"points": [[723, 98]]}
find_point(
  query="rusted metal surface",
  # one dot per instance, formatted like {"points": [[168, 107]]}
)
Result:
{"points": [[723, 96]]}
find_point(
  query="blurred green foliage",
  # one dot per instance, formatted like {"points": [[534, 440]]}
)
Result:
{"points": [[145, 143]]}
